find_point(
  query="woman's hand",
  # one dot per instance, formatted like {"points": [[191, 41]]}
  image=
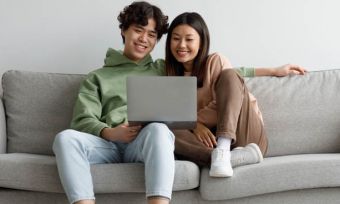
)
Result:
{"points": [[122, 133], [204, 135], [288, 69], [281, 71]]}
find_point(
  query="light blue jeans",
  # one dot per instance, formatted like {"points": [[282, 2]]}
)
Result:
{"points": [[75, 151]]}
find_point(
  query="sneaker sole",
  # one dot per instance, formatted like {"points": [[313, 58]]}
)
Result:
{"points": [[220, 174]]}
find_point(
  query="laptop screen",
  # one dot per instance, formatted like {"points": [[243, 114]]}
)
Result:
{"points": [[167, 99]]}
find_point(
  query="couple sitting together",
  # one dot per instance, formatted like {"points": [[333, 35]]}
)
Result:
{"points": [[229, 130]]}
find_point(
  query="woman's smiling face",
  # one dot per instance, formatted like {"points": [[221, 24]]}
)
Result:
{"points": [[185, 44]]}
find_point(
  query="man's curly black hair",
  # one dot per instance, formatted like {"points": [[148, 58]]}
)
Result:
{"points": [[139, 13]]}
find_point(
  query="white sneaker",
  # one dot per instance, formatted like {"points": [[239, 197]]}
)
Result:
{"points": [[220, 163], [250, 154]]}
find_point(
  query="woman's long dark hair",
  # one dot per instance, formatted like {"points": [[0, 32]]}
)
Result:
{"points": [[175, 68]]}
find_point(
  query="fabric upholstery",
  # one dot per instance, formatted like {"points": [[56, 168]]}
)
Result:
{"points": [[274, 174], [306, 196], [302, 122], [38, 106], [290, 113], [301, 113], [39, 173], [3, 137]]}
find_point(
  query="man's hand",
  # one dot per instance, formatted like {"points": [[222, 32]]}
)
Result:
{"points": [[204, 135], [121, 133]]}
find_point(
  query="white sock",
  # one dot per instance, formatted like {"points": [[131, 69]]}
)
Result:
{"points": [[224, 143]]}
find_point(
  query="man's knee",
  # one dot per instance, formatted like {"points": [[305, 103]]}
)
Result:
{"points": [[159, 132], [63, 139], [157, 128]]}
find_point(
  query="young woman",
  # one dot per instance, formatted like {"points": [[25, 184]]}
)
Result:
{"points": [[228, 115]]}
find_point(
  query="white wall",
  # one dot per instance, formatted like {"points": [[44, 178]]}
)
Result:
{"points": [[72, 36]]}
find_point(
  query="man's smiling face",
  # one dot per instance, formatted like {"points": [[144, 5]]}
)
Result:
{"points": [[140, 40]]}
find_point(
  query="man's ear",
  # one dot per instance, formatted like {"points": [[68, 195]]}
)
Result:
{"points": [[122, 33]]}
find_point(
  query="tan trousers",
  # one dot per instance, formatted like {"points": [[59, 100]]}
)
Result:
{"points": [[236, 119]]}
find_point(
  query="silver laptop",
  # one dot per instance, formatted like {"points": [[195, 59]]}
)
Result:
{"points": [[167, 99]]}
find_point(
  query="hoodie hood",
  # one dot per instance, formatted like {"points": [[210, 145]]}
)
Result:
{"points": [[116, 58]]}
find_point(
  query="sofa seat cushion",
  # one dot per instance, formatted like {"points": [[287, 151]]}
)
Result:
{"points": [[274, 174], [39, 173]]}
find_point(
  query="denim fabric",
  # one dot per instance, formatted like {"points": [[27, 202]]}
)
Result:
{"points": [[75, 151]]}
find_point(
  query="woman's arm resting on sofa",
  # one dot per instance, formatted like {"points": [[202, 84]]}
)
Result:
{"points": [[281, 71]]}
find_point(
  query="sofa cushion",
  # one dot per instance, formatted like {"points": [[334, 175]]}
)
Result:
{"points": [[301, 113], [274, 174], [38, 106], [39, 173]]}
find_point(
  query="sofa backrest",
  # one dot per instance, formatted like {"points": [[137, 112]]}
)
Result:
{"points": [[38, 106], [301, 113]]}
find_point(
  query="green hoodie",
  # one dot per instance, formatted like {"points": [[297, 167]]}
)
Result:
{"points": [[101, 99]]}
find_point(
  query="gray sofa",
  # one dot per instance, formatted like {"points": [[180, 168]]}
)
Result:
{"points": [[302, 120]]}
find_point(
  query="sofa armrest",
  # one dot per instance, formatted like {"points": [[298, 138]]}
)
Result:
{"points": [[3, 135]]}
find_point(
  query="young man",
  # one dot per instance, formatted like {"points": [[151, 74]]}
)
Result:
{"points": [[100, 133]]}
